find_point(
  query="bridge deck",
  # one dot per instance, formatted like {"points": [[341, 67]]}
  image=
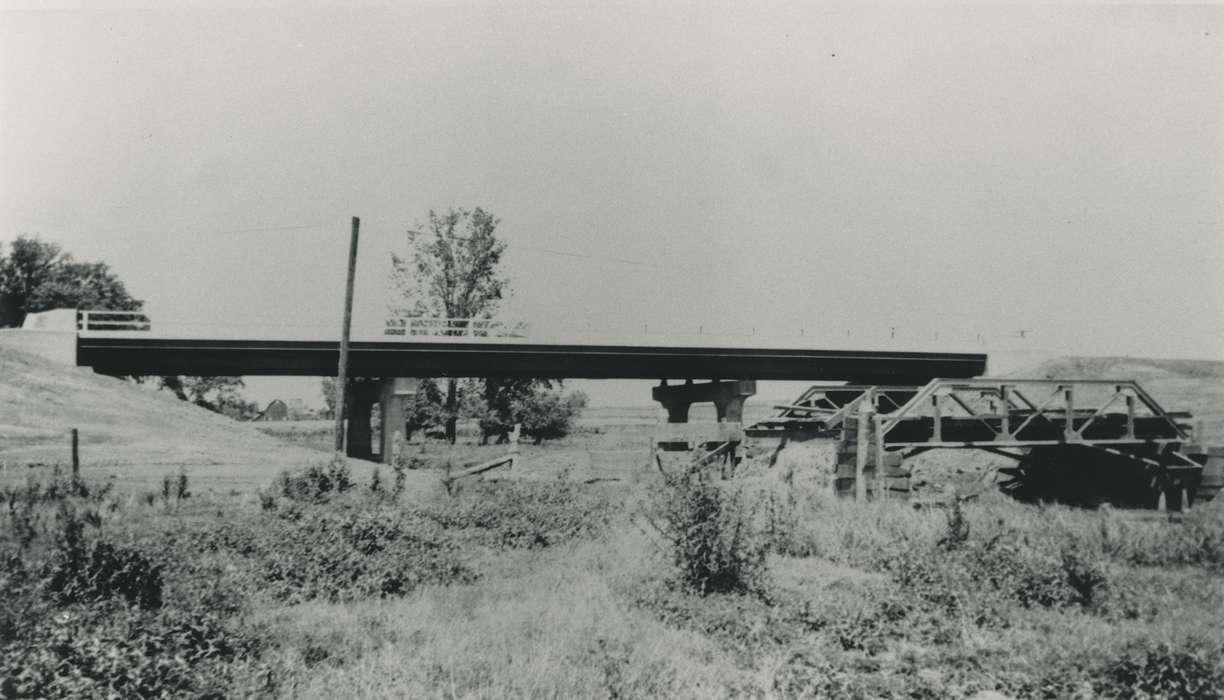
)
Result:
{"points": [[136, 353]]}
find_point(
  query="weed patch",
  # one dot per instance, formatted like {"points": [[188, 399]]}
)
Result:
{"points": [[1162, 672], [713, 547], [521, 515], [318, 482], [83, 615], [317, 552]]}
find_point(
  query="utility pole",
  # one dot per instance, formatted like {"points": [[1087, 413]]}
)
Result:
{"points": [[346, 328]]}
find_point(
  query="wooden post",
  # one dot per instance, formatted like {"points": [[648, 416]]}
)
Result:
{"points": [[514, 444], [1069, 402], [1005, 412], [76, 454], [863, 439], [881, 472], [937, 424], [346, 328]]}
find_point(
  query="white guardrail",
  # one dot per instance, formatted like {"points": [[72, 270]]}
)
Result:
{"points": [[90, 320], [425, 329], [447, 327], [402, 326]]}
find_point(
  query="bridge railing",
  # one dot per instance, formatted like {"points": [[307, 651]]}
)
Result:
{"points": [[410, 326], [94, 320]]}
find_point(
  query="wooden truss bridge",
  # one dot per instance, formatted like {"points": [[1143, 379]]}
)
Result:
{"points": [[1078, 441]]}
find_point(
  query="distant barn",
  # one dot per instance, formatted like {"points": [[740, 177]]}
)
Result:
{"points": [[276, 410]]}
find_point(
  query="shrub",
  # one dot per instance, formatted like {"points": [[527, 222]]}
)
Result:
{"points": [[315, 552], [1162, 672], [84, 616], [707, 528], [180, 486], [318, 482], [958, 527], [1084, 577], [400, 467], [54, 490], [522, 514], [83, 571], [115, 651], [805, 674], [267, 501]]}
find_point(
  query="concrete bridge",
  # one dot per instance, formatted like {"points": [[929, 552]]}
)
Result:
{"points": [[126, 343]]}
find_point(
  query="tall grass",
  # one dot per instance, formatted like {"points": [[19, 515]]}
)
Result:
{"points": [[547, 589]]}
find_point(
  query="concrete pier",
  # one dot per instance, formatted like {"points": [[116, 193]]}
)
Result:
{"points": [[392, 396]]}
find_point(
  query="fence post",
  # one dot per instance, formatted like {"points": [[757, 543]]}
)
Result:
{"points": [[76, 455], [514, 444]]}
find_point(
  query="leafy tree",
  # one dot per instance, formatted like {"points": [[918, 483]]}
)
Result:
{"points": [[219, 394], [453, 273], [501, 397], [548, 415], [241, 409], [427, 408], [38, 276]]}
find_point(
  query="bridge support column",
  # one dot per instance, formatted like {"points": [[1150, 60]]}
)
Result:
{"points": [[362, 396], [393, 399], [392, 396]]}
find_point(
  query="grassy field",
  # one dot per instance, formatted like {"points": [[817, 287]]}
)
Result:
{"points": [[198, 557], [556, 589]]}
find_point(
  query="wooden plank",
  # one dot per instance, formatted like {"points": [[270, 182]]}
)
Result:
{"points": [[482, 467], [849, 471]]}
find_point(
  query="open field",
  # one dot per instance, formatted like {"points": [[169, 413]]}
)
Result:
{"points": [[267, 571]]}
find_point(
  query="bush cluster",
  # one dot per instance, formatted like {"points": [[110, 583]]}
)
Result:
{"points": [[708, 529], [1162, 672], [83, 615], [962, 578], [81, 570], [316, 552], [318, 482], [521, 514], [111, 650]]}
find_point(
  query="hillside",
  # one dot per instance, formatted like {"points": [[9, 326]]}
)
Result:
{"points": [[128, 431], [1196, 386]]}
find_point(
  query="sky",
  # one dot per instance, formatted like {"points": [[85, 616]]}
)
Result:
{"points": [[991, 177]]}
